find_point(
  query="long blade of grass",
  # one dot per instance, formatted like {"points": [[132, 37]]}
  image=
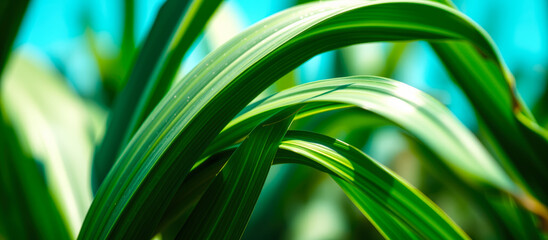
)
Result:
{"points": [[394, 207], [198, 107]]}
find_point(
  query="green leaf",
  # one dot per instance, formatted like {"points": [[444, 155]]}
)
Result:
{"points": [[225, 208], [395, 208], [173, 137], [540, 108], [417, 113], [521, 223], [491, 90]]}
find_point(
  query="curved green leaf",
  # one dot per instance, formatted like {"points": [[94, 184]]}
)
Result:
{"points": [[419, 114], [397, 210]]}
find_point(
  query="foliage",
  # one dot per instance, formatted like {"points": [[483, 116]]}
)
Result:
{"points": [[188, 159]]}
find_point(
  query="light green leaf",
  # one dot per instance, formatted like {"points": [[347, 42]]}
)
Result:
{"points": [[419, 114], [27, 210]]}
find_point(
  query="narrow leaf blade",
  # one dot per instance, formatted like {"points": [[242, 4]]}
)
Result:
{"points": [[225, 208]]}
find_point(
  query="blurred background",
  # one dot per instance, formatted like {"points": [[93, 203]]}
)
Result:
{"points": [[68, 65]]}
